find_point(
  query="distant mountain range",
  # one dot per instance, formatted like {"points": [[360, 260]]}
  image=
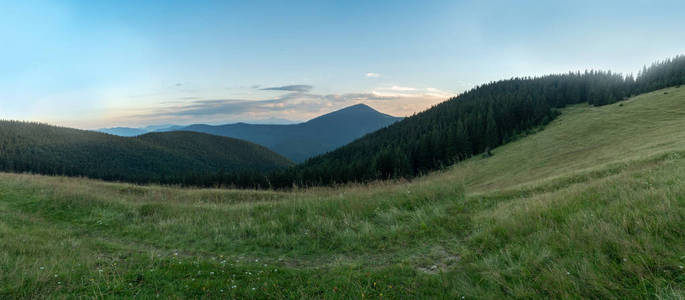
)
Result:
{"points": [[167, 157], [297, 142]]}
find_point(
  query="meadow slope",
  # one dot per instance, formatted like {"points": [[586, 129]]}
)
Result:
{"points": [[593, 206]]}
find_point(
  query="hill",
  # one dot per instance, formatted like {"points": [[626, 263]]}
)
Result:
{"points": [[173, 157], [123, 131], [132, 131], [590, 207], [472, 123], [299, 142]]}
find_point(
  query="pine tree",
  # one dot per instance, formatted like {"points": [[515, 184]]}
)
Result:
{"points": [[491, 134]]}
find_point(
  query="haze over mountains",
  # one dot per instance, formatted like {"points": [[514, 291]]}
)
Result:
{"points": [[297, 142]]}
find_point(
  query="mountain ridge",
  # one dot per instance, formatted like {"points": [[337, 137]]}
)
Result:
{"points": [[302, 141], [297, 141]]}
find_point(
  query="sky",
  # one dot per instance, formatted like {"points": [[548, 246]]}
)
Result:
{"points": [[94, 64]]}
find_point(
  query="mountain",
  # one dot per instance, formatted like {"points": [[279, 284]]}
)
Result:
{"points": [[123, 131], [173, 157], [591, 207], [165, 128], [132, 131], [299, 142], [474, 123], [162, 127]]}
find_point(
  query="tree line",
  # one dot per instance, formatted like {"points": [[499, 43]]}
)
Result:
{"points": [[472, 123], [466, 125], [167, 158]]}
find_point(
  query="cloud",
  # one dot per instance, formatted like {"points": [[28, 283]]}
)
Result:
{"points": [[373, 75], [402, 88], [300, 88], [293, 106]]}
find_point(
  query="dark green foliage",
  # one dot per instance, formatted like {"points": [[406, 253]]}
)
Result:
{"points": [[472, 123], [173, 157], [469, 124]]}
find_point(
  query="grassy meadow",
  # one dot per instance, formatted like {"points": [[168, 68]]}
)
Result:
{"points": [[593, 206]]}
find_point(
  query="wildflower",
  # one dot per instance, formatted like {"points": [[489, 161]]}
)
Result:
{"points": [[175, 253], [211, 273], [233, 287], [681, 267], [568, 273], [254, 289], [221, 291], [275, 270], [55, 275], [42, 268], [100, 270]]}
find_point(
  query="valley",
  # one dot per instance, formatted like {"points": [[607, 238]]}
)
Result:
{"points": [[592, 206]]}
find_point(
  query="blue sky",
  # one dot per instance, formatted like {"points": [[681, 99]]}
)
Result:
{"points": [[92, 64]]}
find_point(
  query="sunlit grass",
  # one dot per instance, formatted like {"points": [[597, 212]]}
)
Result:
{"points": [[591, 207]]}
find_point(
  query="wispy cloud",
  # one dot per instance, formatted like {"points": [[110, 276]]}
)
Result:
{"points": [[297, 104], [402, 88], [300, 88], [373, 75]]}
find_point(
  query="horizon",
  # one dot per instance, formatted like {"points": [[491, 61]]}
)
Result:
{"points": [[126, 64], [272, 121]]}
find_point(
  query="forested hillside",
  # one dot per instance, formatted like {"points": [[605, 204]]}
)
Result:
{"points": [[174, 157], [474, 122], [469, 124], [592, 207]]}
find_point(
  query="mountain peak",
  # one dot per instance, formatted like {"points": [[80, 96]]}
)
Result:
{"points": [[359, 106], [360, 110]]}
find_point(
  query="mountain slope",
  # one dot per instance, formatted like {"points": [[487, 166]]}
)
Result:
{"points": [[474, 122], [591, 207], [584, 138], [301, 141], [157, 157]]}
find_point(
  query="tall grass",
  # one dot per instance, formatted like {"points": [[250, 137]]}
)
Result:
{"points": [[591, 207]]}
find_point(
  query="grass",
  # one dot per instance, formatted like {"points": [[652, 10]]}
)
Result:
{"points": [[591, 207]]}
